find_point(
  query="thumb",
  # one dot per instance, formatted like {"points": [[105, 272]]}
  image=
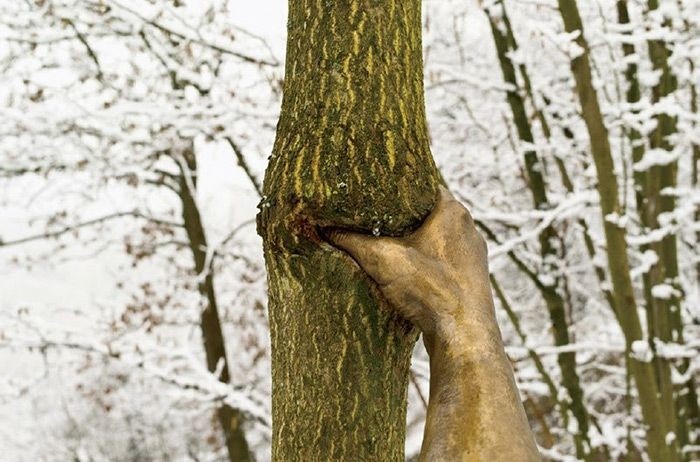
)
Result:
{"points": [[348, 241], [373, 254]]}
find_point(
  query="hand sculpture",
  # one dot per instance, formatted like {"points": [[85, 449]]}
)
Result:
{"points": [[438, 278]]}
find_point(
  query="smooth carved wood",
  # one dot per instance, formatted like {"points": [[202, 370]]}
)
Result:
{"points": [[351, 151]]}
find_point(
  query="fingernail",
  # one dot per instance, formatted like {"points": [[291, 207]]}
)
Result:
{"points": [[331, 235]]}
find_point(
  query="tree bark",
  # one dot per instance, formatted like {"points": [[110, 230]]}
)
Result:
{"points": [[351, 151], [665, 314], [641, 187]]}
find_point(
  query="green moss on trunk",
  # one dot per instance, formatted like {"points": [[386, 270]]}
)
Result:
{"points": [[351, 151]]}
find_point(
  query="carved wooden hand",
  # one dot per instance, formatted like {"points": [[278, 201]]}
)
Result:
{"points": [[437, 277]]}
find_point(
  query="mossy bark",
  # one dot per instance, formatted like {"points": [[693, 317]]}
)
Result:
{"points": [[351, 151]]}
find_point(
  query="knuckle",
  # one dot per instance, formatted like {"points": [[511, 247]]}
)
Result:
{"points": [[478, 240], [483, 243], [465, 215]]}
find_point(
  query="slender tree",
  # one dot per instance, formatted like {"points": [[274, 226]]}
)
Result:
{"points": [[663, 314], [351, 151], [689, 406], [538, 187], [633, 97], [656, 414], [230, 419]]}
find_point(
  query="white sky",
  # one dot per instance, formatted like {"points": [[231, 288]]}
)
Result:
{"points": [[267, 18]]}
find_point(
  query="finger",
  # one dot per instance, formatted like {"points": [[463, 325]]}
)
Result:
{"points": [[442, 219], [449, 203]]}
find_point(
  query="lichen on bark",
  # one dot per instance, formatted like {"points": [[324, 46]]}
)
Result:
{"points": [[351, 151]]}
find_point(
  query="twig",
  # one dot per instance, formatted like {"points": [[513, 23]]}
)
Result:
{"points": [[244, 165], [197, 40], [89, 49], [67, 229], [415, 383]]}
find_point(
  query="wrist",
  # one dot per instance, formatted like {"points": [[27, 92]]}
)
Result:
{"points": [[470, 333]]}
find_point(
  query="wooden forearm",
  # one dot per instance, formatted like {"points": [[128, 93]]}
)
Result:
{"points": [[474, 412], [438, 279]]}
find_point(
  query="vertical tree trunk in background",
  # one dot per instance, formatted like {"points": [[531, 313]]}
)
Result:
{"points": [[693, 417], [655, 416], [695, 167], [640, 177], [351, 151], [664, 313], [633, 96], [692, 404], [669, 322], [550, 292], [229, 418], [647, 191]]}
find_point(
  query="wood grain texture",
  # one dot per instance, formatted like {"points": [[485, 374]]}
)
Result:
{"points": [[351, 151]]}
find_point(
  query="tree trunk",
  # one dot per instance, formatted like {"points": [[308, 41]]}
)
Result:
{"points": [[653, 411], [663, 316], [641, 183], [690, 405], [351, 151], [695, 167], [538, 187], [669, 322], [229, 418]]}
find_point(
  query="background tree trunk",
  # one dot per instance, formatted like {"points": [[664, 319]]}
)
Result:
{"points": [[230, 419], [655, 414], [351, 151], [551, 293]]}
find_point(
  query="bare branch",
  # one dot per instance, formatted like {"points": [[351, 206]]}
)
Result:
{"points": [[85, 224], [244, 165], [197, 40], [89, 49]]}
